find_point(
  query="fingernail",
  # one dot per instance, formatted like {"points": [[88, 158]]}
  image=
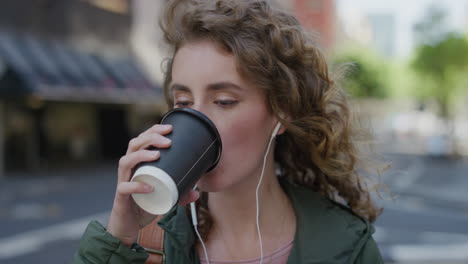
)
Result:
{"points": [[154, 153], [148, 187], [166, 140]]}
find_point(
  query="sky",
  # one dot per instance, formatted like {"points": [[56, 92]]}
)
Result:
{"points": [[406, 12]]}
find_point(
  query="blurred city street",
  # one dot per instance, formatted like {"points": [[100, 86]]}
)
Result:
{"points": [[80, 78], [43, 215], [426, 220]]}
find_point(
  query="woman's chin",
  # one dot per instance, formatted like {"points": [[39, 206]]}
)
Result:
{"points": [[205, 184], [211, 182]]}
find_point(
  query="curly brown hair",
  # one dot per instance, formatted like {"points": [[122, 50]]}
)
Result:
{"points": [[273, 50]]}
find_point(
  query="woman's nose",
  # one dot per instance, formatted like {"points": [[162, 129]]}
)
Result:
{"points": [[202, 109], [197, 106]]}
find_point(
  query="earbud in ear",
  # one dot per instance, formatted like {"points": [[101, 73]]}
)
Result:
{"points": [[278, 125], [277, 128]]}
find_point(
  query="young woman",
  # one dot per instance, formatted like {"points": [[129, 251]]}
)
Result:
{"points": [[248, 66]]}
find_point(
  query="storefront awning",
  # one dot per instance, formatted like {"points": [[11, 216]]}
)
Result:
{"points": [[53, 70]]}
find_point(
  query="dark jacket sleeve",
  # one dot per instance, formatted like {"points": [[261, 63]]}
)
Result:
{"points": [[369, 254], [98, 246]]}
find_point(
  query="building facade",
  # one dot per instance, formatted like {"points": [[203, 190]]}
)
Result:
{"points": [[318, 16], [71, 90]]}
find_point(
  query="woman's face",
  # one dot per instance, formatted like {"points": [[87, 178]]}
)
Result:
{"points": [[205, 78]]}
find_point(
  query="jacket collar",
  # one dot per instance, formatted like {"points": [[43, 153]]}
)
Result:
{"points": [[328, 232], [178, 230]]}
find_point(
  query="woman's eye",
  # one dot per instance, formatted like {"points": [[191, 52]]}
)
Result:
{"points": [[183, 103], [226, 102]]}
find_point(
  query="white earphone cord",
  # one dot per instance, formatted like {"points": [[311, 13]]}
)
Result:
{"points": [[195, 225], [203, 245], [194, 213], [258, 188]]}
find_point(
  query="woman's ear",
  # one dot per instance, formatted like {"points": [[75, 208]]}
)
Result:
{"points": [[282, 128]]}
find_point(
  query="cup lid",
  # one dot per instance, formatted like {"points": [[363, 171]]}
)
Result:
{"points": [[164, 195], [207, 122]]}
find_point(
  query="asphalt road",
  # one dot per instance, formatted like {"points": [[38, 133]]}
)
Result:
{"points": [[43, 215], [426, 221]]}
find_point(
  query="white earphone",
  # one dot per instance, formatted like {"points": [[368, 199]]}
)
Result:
{"points": [[193, 209], [277, 128], [278, 125]]}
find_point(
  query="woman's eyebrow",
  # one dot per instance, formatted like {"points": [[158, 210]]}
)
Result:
{"points": [[179, 87], [213, 87], [224, 86]]}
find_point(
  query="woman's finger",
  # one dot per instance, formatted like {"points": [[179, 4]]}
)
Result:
{"points": [[146, 140], [190, 197], [128, 188], [129, 161], [159, 128]]}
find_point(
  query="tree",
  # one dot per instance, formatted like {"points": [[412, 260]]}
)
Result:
{"points": [[440, 59], [442, 63]]}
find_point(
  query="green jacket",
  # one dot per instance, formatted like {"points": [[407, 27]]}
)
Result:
{"points": [[327, 233]]}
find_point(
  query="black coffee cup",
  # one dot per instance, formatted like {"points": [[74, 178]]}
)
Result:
{"points": [[196, 149]]}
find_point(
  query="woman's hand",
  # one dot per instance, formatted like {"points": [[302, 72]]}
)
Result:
{"points": [[127, 218]]}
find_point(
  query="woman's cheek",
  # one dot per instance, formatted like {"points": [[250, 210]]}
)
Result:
{"points": [[240, 141]]}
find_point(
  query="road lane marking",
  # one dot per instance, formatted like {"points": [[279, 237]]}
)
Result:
{"points": [[31, 241], [429, 253], [427, 247]]}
